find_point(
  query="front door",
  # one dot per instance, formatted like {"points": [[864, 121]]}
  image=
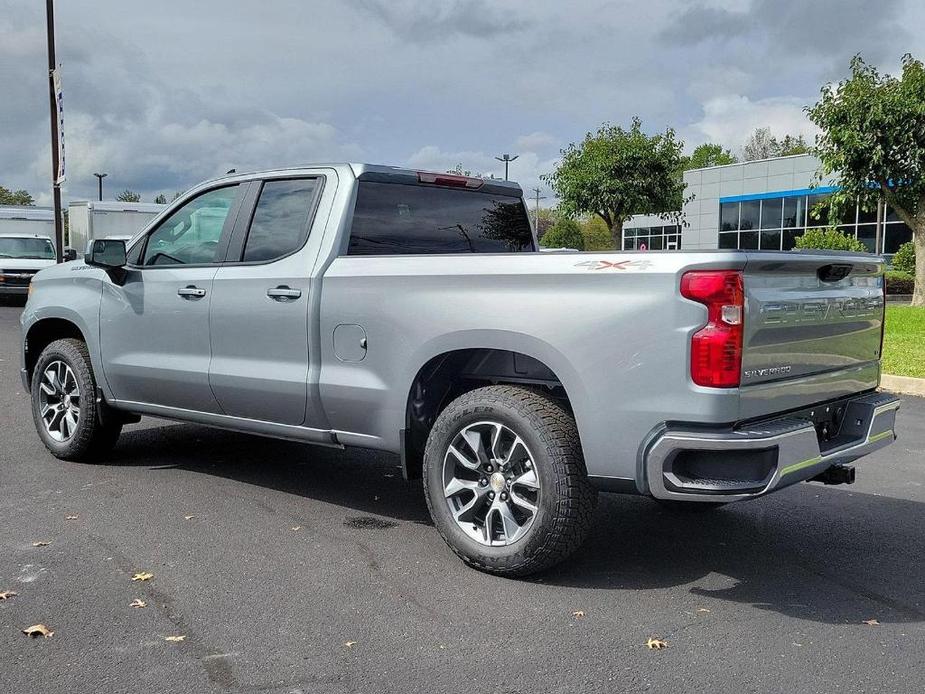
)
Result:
{"points": [[154, 327], [261, 307]]}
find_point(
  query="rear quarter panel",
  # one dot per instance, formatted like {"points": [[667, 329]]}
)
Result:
{"points": [[612, 327]]}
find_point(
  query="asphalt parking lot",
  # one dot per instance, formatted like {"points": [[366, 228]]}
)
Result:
{"points": [[297, 569]]}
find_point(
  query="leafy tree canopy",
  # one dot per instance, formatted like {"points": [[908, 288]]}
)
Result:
{"points": [[616, 173], [564, 234], [15, 197], [709, 154], [161, 199], [873, 145], [761, 144], [128, 196], [596, 233]]}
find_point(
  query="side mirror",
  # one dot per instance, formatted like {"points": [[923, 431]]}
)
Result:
{"points": [[108, 254], [70, 254]]}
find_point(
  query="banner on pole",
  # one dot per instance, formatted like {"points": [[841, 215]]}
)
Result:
{"points": [[59, 108]]}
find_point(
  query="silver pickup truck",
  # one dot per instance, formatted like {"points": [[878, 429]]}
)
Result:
{"points": [[356, 305]]}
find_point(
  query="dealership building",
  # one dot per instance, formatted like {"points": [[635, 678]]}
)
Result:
{"points": [[765, 204]]}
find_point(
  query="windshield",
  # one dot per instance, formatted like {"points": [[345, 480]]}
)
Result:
{"points": [[18, 247]]}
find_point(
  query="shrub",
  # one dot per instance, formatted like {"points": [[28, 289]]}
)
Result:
{"points": [[904, 260], [829, 240], [899, 282], [564, 234], [597, 235]]}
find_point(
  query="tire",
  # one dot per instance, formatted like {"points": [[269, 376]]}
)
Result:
{"points": [[563, 500], [83, 435], [689, 507]]}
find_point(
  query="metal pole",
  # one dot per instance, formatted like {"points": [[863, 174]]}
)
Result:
{"points": [[536, 213], [56, 189], [507, 159], [101, 176]]}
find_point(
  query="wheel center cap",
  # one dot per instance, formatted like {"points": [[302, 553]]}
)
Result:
{"points": [[496, 482]]}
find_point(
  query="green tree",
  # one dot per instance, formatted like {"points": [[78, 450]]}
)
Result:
{"points": [[548, 216], [709, 154], [596, 233], [161, 199], [791, 145], [128, 196], [830, 240], [564, 234], [15, 197], [904, 260], [761, 144], [616, 173], [873, 145]]}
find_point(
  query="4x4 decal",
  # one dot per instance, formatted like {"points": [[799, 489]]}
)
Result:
{"points": [[618, 265]]}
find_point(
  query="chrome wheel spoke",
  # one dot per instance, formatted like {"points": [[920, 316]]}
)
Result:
{"points": [[523, 503], [509, 525], [462, 459], [527, 479]]}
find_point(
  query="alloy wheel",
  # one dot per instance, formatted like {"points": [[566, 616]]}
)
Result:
{"points": [[59, 400], [490, 483]]}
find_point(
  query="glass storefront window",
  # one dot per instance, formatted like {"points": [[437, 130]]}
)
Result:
{"points": [[867, 234], [729, 240], [790, 238], [794, 212], [749, 213], [770, 213], [748, 240], [729, 216], [770, 240], [818, 210], [894, 236]]}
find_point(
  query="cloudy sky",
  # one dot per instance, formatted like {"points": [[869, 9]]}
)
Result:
{"points": [[164, 94]]}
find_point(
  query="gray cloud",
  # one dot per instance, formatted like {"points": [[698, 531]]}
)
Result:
{"points": [[161, 95], [427, 21]]}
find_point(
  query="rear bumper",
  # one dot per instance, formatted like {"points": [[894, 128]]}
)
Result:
{"points": [[757, 459]]}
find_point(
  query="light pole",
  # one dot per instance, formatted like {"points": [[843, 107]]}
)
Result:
{"points": [[536, 214], [52, 99], [507, 159], [100, 177]]}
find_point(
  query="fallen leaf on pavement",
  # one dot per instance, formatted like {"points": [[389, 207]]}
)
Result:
{"points": [[656, 644], [38, 630], [7, 594], [188, 517], [296, 527], [175, 638], [71, 517], [41, 543], [349, 644], [579, 614], [871, 622], [137, 602], [143, 576], [702, 609]]}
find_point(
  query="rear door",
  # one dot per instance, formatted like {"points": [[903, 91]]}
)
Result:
{"points": [[261, 312]]}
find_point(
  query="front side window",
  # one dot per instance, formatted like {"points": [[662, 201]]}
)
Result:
{"points": [[393, 218], [190, 236], [25, 247], [280, 223]]}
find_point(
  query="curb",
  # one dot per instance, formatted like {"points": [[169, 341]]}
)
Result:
{"points": [[904, 385]]}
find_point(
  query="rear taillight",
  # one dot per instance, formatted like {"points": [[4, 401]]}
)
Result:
{"points": [[716, 349]]}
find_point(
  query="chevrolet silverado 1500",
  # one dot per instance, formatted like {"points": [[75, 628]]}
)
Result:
{"points": [[357, 305]]}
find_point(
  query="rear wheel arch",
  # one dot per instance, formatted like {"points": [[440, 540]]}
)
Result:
{"points": [[450, 374]]}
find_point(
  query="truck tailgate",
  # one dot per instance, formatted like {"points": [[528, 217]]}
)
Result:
{"points": [[813, 325]]}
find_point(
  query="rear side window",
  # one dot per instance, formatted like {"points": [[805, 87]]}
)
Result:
{"points": [[393, 219], [280, 223]]}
